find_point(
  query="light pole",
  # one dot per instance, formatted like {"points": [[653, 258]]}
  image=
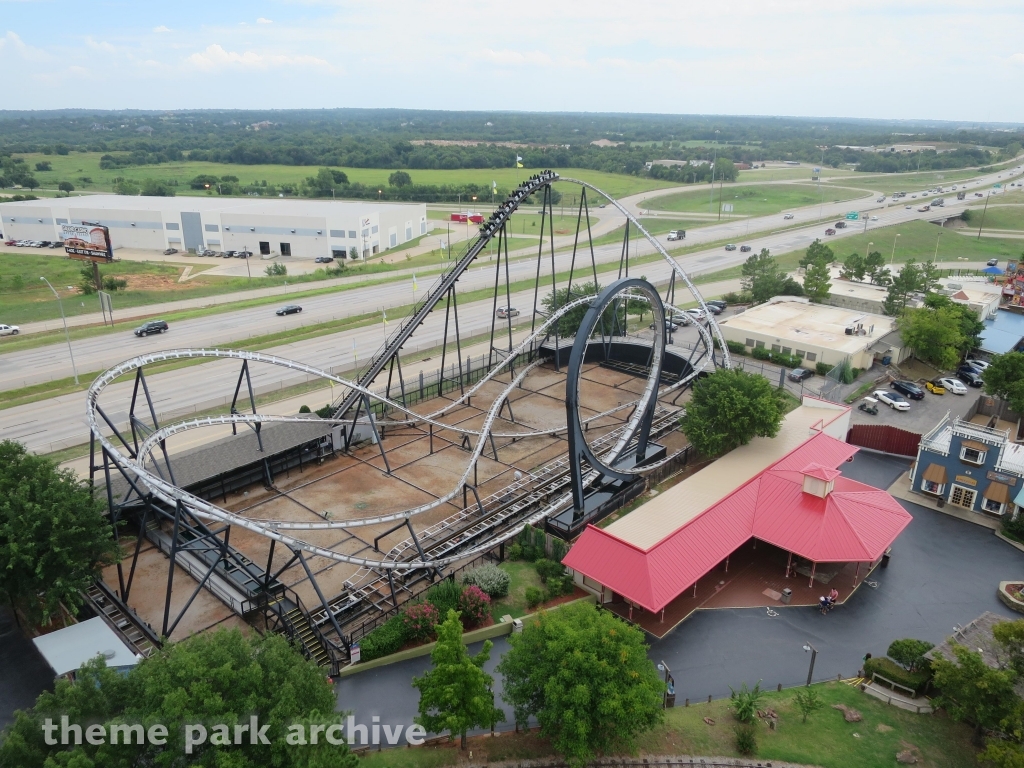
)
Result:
{"points": [[893, 256], [814, 655], [936, 255], [64, 320]]}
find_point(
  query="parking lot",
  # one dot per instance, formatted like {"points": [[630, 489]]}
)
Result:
{"points": [[923, 414]]}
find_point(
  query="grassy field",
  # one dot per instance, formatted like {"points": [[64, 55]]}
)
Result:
{"points": [[826, 739], [795, 173], [753, 200], [911, 182], [514, 604], [80, 165], [917, 240]]}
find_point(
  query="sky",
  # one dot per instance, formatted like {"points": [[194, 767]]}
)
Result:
{"points": [[949, 60]]}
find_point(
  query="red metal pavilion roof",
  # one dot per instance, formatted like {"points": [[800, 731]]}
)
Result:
{"points": [[853, 523]]}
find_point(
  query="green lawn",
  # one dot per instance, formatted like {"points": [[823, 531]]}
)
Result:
{"points": [[998, 217], [752, 200], [825, 740], [795, 173], [523, 575], [77, 165], [917, 241], [912, 182]]}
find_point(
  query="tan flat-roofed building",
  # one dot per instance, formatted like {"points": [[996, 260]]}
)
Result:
{"points": [[816, 332]]}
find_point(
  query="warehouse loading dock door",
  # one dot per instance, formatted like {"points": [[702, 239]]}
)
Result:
{"points": [[192, 231]]}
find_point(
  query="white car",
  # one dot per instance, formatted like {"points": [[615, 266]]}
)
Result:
{"points": [[697, 314], [788, 216], [874, 218], [977, 363], [893, 400], [954, 385], [9, 330]]}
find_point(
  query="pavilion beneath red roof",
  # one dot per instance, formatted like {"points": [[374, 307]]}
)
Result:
{"points": [[800, 504]]}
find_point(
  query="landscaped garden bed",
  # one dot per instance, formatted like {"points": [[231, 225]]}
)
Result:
{"points": [[1010, 594]]}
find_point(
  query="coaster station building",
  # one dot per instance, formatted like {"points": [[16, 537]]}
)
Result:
{"points": [[302, 229]]}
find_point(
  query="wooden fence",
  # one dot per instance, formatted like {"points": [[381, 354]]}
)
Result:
{"points": [[881, 437]]}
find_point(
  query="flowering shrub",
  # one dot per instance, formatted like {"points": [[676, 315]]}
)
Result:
{"points": [[475, 605], [491, 579], [420, 620]]}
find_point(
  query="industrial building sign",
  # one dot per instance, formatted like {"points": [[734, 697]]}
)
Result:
{"points": [[87, 242]]}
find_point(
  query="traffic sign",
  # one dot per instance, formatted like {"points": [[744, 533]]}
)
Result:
{"points": [[726, 207], [853, 216]]}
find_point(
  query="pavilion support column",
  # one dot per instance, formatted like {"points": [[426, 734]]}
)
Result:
{"points": [[662, 620], [630, 611], [856, 575], [789, 565], [813, 567], [695, 589], [727, 563]]}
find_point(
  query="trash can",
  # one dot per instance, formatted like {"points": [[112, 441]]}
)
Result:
{"points": [[517, 626], [885, 557], [886, 359], [787, 595]]}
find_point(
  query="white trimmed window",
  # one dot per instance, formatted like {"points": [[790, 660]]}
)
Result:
{"points": [[993, 506], [972, 455], [929, 486]]}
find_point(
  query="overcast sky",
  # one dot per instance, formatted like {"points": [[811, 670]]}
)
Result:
{"points": [[958, 60]]}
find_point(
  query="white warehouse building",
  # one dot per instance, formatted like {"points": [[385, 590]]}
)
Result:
{"points": [[267, 226]]}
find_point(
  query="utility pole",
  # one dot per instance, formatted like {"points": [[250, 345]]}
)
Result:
{"points": [[814, 655], [64, 320], [983, 213]]}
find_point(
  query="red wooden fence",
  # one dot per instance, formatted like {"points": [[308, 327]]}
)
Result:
{"points": [[881, 437]]}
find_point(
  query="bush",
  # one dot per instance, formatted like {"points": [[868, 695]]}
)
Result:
{"points": [[276, 269], [1014, 529], [515, 552], [548, 569], [491, 579], [856, 372], [112, 284], [558, 550], [419, 621], [910, 653], [304, 409], [744, 702], [386, 639], [737, 347], [746, 740], [760, 353], [916, 681], [563, 585], [326, 412], [822, 369], [475, 606], [534, 597], [446, 596], [786, 361]]}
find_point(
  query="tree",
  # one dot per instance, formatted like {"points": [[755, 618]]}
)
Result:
{"points": [[156, 188], [54, 535], [909, 652], [45, 165], [966, 319], [219, 677], [744, 702], [973, 692], [853, 267], [29, 182], [762, 276], [570, 322], [817, 252], [584, 674], [730, 407], [277, 269], [340, 177], [898, 293], [399, 179], [817, 282], [1010, 635], [126, 187], [875, 269], [929, 277], [456, 695], [66, 186], [1004, 378], [807, 701], [933, 334]]}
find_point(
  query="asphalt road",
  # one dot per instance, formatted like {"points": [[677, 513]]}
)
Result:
{"points": [[943, 572]]}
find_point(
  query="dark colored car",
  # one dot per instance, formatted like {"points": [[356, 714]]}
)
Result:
{"points": [[170, 251], [713, 308], [730, 247], [153, 326], [800, 374], [969, 376], [908, 388], [289, 309], [717, 303], [830, 231], [669, 325], [323, 259], [993, 262], [745, 249]]}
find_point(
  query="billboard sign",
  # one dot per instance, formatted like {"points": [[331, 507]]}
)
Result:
{"points": [[87, 242]]}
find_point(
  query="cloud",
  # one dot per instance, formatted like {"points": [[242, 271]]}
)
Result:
{"points": [[11, 41], [509, 58], [1017, 58], [161, 29], [216, 58], [261, 20], [103, 45]]}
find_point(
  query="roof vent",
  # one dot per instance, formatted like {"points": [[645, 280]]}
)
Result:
{"points": [[819, 480]]}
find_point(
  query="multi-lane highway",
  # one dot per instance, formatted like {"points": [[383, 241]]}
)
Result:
{"points": [[58, 422]]}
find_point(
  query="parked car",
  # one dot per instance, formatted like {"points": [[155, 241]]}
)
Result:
{"points": [[10, 242], [714, 309], [893, 400], [788, 216], [800, 374], [992, 263], [981, 365], [730, 247], [745, 249], [669, 325], [969, 376], [830, 231], [153, 326], [697, 314], [953, 385], [908, 388], [935, 386], [289, 309], [717, 303], [208, 253], [170, 251], [323, 259], [9, 330]]}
